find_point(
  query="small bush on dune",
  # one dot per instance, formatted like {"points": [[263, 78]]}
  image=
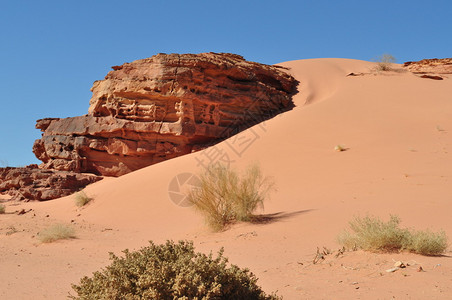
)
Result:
{"points": [[224, 196], [2, 209], [370, 233], [384, 62], [56, 232], [81, 199], [170, 271]]}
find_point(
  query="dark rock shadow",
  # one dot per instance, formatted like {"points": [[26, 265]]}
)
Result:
{"points": [[278, 216]]}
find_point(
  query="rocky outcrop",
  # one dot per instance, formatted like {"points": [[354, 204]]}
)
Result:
{"points": [[431, 68], [162, 107], [434, 77], [33, 183]]}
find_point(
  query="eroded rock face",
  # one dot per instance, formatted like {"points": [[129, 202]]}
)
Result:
{"points": [[430, 66], [162, 107], [33, 183]]}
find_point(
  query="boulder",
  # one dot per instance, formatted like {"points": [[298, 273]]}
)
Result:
{"points": [[33, 183], [158, 108]]}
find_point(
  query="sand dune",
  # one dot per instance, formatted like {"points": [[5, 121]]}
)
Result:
{"points": [[396, 128]]}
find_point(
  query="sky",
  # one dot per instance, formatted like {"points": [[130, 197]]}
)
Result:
{"points": [[52, 50]]}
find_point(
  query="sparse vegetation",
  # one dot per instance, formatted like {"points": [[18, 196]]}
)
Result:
{"points": [[427, 242], [56, 232], [224, 196], [370, 233], [81, 199], [2, 209], [384, 62], [170, 271], [340, 148]]}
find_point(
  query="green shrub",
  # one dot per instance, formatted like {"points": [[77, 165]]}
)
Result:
{"points": [[2, 209], [56, 232], [224, 196], [370, 233], [81, 199], [384, 62], [170, 271]]}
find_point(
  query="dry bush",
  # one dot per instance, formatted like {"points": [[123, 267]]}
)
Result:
{"points": [[81, 199], [225, 196], [384, 62], [56, 232], [370, 233], [428, 243], [2, 209], [170, 271]]}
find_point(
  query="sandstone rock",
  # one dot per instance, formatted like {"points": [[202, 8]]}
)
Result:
{"points": [[33, 183], [430, 66], [162, 107]]}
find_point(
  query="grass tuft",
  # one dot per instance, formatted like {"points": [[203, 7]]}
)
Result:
{"points": [[2, 209], [225, 196], [56, 232], [340, 148], [384, 62], [372, 234], [81, 199], [428, 243]]}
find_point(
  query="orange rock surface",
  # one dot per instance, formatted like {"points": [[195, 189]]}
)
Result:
{"points": [[162, 107], [431, 66]]}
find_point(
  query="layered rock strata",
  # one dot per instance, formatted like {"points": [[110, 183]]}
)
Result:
{"points": [[33, 183], [430, 68], [162, 107]]}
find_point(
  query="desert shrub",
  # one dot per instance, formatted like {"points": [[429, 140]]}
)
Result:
{"points": [[373, 234], [224, 196], [81, 199], [56, 232], [427, 242], [2, 209], [170, 271], [340, 148], [370, 233], [384, 62]]}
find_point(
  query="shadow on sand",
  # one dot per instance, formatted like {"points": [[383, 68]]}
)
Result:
{"points": [[278, 216]]}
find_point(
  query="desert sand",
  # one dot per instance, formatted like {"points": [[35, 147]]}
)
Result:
{"points": [[396, 128]]}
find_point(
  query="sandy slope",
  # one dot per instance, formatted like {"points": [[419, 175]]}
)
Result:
{"points": [[397, 128]]}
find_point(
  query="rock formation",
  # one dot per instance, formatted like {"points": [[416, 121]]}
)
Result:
{"points": [[161, 107], [32, 183], [430, 68]]}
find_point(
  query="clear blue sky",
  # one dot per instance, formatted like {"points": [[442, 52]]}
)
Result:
{"points": [[52, 51]]}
